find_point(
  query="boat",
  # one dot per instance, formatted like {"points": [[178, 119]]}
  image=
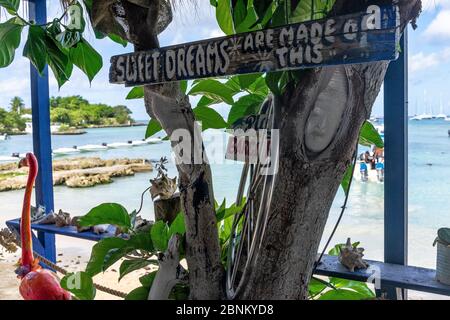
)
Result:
{"points": [[153, 140], [423, 116], [441, 114], [63, 151], [4, 137], [93, 147], [116, 145], [138, 142], [18, 155], [54, 128], [418, 117]]}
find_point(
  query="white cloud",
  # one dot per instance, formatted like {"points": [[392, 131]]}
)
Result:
{"points": [[431, 5], [439, 28], [421, 61], [216, 33]]}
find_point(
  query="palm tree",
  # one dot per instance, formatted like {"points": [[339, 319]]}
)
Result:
{"points": [[17, 105]]}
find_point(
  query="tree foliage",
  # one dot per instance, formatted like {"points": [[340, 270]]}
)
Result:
{"points": [[76, 111], [11, 122], [58, 44]]}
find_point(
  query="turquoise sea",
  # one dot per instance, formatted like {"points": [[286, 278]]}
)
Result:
{"points": [[429, 186]]}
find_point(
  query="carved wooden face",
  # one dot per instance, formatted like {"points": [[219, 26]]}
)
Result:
{"points": [[326, 115]]}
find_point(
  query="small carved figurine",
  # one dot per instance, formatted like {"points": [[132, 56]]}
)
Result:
{"points": [[62, 219], [162, 185], [351, 257]]}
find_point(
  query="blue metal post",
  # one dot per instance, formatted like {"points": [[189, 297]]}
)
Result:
{"points": [[396, 158], [41, 133]]}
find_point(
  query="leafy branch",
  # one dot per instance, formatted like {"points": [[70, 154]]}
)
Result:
{"points": [[57, 44]]}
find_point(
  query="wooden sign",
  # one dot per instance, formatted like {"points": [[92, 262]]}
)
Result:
{"points": [[361, 37]]}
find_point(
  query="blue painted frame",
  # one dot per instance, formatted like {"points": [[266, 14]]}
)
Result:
{"points": [[42, 144], [396, 158]]}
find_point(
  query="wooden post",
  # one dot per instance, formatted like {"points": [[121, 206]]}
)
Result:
{"points": [[396, 171]]}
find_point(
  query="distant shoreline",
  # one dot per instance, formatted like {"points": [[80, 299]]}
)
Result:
{"points": [[80, 130], [137, 124]]}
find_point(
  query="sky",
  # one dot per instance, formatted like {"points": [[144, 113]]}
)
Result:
{"points": [[429, 61]]}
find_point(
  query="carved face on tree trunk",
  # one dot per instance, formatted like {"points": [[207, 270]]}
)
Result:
{"points": [[326, 115]]}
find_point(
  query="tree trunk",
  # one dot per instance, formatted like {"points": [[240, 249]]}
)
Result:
{"points": [[195, 183], [310, 175], [334, 100]]}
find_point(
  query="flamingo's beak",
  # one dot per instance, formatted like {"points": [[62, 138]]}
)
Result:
{"points": [[23, 163]]}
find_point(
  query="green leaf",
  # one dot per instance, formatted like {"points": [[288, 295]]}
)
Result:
{"points": [[345, 183], [9, 41], [135, 93], [210, 118], [80, 284], [260, 87], [107, 213], [234, 85], [153, 127], [246, 80], [316, 287], [99, 253], [357, 286], [224, 16], [129, 266], [279, 15], [239, 12], [118, 39], [140, 293], [214, 90], [160, 235], [59, 62], [337, 248], [224, 213], [250, 21], [205, 102], [36, 48], [147, 280], [141, 241], [273, 80], [246, 105], [86, 59], [11, 5], [110, 250], [304, 11], [183, 86], [369, 136], [225, 228], [177, 226], [342, 294]]}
